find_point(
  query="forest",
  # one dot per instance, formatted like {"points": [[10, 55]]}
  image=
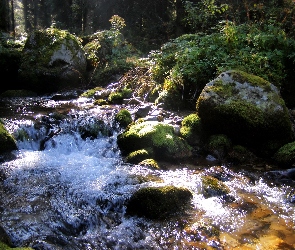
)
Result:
{"points": [[254, 36]]}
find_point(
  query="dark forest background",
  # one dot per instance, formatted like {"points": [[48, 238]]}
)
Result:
{"points": [[148, 23]]}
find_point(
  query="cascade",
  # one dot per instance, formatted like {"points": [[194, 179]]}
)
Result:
{"points": [[67, 185]]}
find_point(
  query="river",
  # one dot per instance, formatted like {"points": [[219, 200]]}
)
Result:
{"points": [[66, 188]]}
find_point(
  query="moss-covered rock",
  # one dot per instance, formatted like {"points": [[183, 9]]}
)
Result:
{"points": [[7, 142], [213, 187], [150, 163], [191, 129], [158, 202], [52, 60], [138, 156], [123, 117], [156, 135], [248, 109], [285, 156]]}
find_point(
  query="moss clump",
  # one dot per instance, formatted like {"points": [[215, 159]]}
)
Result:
{"points": [[138, 156], [285, 156], [243, 77], [90, 92], [101, 102], [118, 96], [191, 128], [150, 163], [213, 187], [158, 136], [158, 202], [123, 117], [7, 142]]}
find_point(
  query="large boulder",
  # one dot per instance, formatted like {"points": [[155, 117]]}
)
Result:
{"points": [[52, 60], [157, 137], [248, 109]]}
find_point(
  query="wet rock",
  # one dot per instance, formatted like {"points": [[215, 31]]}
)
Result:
{"points": [[158, 202], [248, 109], [159, 137]]}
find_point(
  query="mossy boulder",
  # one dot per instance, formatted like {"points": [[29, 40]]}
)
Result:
{"points": [[158, 202], [285, 156], [248, 109], [158, 136], [7, 142], [52, 60]]}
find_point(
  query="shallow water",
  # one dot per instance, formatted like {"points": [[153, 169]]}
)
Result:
{"points": [[71, 192]]}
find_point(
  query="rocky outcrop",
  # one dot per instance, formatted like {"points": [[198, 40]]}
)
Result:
{"points": [[246, 108], [52, 60]]}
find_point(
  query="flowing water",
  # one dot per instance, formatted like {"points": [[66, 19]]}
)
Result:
{"points": [[66, 188]]}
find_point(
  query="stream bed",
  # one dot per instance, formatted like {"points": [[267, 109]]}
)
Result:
{"points": [[67, 185]]}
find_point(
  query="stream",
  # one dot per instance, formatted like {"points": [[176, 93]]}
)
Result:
{"points": [[67, 185]]}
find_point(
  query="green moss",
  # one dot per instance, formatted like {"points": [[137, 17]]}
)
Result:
{"points": [[158, 202], [285, 156], [7, 142], [150, 163], [213, 187], [123, 117], [138, 156], [158, 136], [90, 92], [191, 128], [243, 77], [101, 102], [118, 96]]}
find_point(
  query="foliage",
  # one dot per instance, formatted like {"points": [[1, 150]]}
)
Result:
{"points": [[108, 52], [184, 65], [203, 15], [6, 247]]}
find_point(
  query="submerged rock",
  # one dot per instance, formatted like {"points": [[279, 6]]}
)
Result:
{"points": [[158, 202], [248, 109]]}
